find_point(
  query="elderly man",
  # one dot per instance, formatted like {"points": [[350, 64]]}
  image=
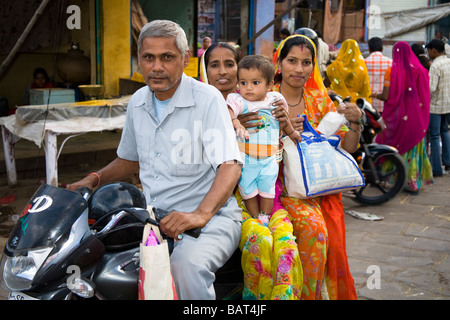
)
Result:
{"points": [[179, 136]]}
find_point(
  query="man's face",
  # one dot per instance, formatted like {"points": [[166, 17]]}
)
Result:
{"points": [[432, 53], [162, 65]]}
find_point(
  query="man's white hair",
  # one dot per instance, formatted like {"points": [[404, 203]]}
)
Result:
{"points": [[165, 29]]}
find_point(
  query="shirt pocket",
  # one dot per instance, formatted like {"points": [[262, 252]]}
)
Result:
{"points": [[186, 158], [143, 149]]}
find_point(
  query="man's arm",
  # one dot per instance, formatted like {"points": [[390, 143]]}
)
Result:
{"points": [[118, 170], [222, 188], [434, 78]]}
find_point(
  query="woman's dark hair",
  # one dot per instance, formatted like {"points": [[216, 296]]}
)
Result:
{"points": [[294, 41], [40, 71], [220, 45], [419, 51]]}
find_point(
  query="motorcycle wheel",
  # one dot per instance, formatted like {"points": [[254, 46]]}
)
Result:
{"points": [[392, 176]]}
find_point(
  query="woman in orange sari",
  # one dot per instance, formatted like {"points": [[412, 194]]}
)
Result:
{"points": [[318, 223]]}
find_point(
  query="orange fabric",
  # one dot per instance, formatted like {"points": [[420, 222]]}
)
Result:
{"points": [[257, 150], [387, 78], [340, 283]]}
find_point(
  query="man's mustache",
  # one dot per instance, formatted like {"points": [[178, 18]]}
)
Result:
{"points": [[158, 76]]}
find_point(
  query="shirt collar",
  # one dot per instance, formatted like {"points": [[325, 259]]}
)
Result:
{"points": [[443, 56], [181, 98], [376, 53]]}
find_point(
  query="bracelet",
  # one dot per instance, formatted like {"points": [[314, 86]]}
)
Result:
{"points": [[353, 130], [234, 119], [98, 178], [289, 133]]}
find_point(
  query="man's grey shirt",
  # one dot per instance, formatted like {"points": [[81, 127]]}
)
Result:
{"points": [[179, 156]]}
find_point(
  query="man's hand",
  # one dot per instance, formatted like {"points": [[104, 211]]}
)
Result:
{"points": [[89, 181], [176, 223]]}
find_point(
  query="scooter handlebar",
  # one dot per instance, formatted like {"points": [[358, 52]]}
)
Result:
{"points": [[161, 214]]}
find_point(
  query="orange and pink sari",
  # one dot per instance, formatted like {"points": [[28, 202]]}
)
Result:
{"points": [[302, 253]]}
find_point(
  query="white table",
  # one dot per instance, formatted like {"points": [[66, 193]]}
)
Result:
{"points": [[45, 132]]}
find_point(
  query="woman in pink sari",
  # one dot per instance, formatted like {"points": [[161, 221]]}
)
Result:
{"points": [[406, 114]]}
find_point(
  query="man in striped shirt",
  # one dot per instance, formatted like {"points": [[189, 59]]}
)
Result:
{"points": [[376, 66], [439, 106]]}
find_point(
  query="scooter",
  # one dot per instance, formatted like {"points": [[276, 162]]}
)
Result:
{"points": [[93, 237], [383, 168]]}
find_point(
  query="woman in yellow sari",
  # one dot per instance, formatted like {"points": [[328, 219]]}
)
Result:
{"points": [[270, 259], [348, 74]]}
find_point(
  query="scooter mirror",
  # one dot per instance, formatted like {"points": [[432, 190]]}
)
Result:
{"points": [[363, 104]]}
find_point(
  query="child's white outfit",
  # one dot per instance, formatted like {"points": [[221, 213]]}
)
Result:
{"points": [[260, 169]]}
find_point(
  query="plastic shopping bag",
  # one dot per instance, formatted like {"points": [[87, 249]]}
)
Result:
{"points": [[318, 166], [155, 278]]}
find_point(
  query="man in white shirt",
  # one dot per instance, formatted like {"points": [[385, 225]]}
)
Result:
{"points": [[179, 136], [439, 106]]}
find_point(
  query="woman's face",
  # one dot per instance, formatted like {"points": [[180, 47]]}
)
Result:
{"points": [[40, 80], [222, 70], [297, 67]]}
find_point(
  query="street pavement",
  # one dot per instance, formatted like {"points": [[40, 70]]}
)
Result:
{"points": [[405, 256]]}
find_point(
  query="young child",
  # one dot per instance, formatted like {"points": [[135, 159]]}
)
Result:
{"points": [[260, 171]]}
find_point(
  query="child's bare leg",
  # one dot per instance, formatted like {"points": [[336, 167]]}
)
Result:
{"points": [[266, 205], [252, 206]]}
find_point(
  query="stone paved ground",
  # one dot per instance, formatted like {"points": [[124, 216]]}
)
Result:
{"points": [[410, 248]]}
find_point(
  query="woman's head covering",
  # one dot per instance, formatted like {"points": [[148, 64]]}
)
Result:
{"points": [[315, 80], [406, 113], [203, 74], [348, 73]]}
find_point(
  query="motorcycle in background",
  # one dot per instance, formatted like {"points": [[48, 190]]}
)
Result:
{"points": [[93, 237], [382, 166]]}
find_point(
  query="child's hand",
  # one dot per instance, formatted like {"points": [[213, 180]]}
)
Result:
{"points": [[289, 129], [241, 132]]}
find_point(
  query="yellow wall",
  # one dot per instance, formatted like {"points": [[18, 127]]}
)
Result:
{"points": [[116, 44]]}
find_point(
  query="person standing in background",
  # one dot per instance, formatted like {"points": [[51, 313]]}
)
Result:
{"points": [[377, 64], [439, 107], [419, 51], [205, 45], [324, 54], [348, 74]]}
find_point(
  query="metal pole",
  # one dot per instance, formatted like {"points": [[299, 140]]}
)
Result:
{"points": [[24, 35]]}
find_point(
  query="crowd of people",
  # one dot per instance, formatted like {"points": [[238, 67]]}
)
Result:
{"points": [[411, 91], [296, 250]]}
